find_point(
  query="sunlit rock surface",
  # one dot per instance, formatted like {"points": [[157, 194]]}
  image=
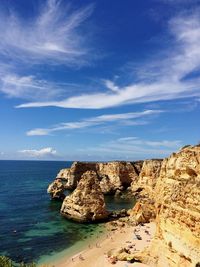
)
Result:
{"points": [[177, 207], [86, 203], [117, 175]]}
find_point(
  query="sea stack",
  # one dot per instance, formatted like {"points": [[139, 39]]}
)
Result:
{"points": [[86, 203]]}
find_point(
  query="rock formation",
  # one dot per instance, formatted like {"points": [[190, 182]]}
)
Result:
{"points": [[86, 203], [144, 189], [169, 193], [112, 176], [68, 178], [177, 207], [116, 175], [57, 189], [148, 177]]}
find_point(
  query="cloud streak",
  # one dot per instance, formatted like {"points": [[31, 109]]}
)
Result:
{"points": [[53, 36], [130, 118], [165, 78], [136, 148], [28, 87]]}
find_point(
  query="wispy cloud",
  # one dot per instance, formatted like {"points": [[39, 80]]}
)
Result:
{"points": [[53, 36], [28, 87], [123, 118], [40, 153], [136, 148], [164, 78]]}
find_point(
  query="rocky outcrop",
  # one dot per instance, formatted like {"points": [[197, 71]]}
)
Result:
{"points": [[57, 189], [146, 182], [143, 211], [177, 207], [68, 178], [144, 188], [116, 175], [112, 176], [86, 203]]}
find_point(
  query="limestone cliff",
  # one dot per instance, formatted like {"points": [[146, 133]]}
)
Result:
{"points": [[116, 175], [177, 206], [86, 203], [68, 178], [144, 189], [57, 189], [148, 176], [112, 176]]}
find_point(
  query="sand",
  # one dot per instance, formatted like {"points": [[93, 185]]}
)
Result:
{"points": [[95, 255]]}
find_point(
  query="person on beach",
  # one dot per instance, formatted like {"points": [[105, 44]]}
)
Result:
{"points": [[81, 257], [98, 245]]}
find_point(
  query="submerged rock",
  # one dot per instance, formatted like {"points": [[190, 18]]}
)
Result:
{"points": [[86, 203]]}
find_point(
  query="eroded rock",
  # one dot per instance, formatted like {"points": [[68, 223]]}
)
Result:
{"points": [[113, 176], [86, 203], [177, 205], [57, 189], [148, 177]]}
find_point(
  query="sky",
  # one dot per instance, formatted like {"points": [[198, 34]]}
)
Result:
{"points": [[98, 80]]}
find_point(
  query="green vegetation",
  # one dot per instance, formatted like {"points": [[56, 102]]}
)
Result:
{"points": [[6, 262]]}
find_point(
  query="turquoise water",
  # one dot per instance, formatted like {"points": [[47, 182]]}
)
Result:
{"points": [[31, 227]]}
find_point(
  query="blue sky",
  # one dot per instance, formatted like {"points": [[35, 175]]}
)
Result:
{"points": [[98, 80]]}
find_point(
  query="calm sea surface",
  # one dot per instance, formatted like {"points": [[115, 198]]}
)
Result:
{"points": [[30, 224]]}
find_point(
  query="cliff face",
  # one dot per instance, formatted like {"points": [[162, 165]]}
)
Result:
{"points": [[177, 206], [169, 194], [144, 187], [68, 179], [57, 189], [148, 177], [112, 176], [116, 175], [86, 203]]}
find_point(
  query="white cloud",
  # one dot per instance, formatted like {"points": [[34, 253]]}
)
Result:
{"points": [[163, 79], [53, 36], [110, 85], [121, 118], [40, 153]]}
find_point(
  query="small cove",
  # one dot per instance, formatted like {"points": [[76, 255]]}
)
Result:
{"points": [[31, 228]]}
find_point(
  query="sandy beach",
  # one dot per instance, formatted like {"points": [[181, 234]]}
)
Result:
{"points": [[95, 255]]}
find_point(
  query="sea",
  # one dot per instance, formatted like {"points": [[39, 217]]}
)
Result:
{"points": [[31, 227]]}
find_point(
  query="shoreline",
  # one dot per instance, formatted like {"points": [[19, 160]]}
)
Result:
{"points": [[94, 254], [54, 258]]}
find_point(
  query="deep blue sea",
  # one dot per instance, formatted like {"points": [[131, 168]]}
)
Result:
{"points": [[30, 224]]}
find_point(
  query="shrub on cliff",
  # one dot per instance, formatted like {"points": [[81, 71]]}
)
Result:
{"points": [[6, 262]]}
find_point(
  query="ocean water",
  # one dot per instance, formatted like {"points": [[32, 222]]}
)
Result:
{"points": [[31, 227]]}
